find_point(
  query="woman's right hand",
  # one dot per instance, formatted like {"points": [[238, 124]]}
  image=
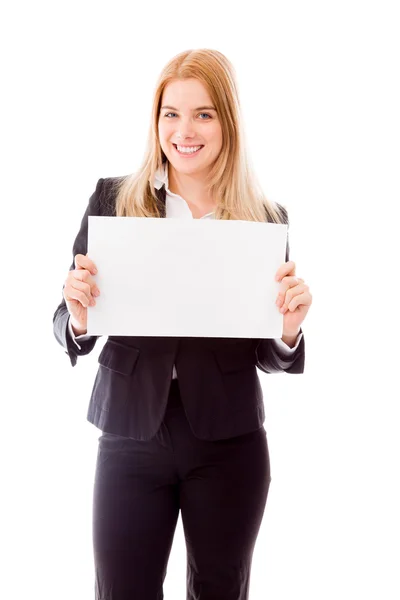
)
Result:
{"points": [[80, 287]]}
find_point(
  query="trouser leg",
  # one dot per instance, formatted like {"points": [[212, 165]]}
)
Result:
{"points": [[223, 498], [135, 512]]}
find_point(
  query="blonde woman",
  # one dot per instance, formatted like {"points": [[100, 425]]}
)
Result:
{"points": [[181, 418]]}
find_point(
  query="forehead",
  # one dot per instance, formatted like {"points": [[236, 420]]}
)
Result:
{"points": [[188, 93]]}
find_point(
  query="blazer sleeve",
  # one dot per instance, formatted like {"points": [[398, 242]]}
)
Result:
{"points": [[269, 357], [61, 315]]}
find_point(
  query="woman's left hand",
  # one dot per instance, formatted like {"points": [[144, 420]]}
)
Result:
{"points": [[294, 298]]}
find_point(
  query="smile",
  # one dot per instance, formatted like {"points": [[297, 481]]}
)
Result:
{"points": [[188, 153]]}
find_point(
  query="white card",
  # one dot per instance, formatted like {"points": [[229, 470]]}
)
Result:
{"points": [[186, 277]]}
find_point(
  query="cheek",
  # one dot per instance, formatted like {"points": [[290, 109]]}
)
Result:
{"points": [[163, 129], [215, 136], [164, 136]]}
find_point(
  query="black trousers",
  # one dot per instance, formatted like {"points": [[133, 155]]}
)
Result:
{"points": [[221, 488]]}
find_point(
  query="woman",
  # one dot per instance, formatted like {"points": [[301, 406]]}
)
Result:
{"points": [[181, 418]]}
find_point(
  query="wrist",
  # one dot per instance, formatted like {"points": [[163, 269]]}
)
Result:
{"points": [[77, 330], [290, 338]]}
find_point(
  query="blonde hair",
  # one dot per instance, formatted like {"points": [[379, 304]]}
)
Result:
{"points": [[231, 179]]}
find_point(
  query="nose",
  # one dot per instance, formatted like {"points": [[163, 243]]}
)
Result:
{"points": [[185, 129]]}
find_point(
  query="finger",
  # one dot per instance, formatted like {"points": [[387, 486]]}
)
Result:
{"points": [[84, 275], [288, 268], [82, 261], [286, 284], [300, 299], [292, 293], [78, 291]]}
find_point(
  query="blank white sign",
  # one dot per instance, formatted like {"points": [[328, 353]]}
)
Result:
{"points": [[186, 277]]}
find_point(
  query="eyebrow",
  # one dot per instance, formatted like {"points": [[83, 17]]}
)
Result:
{"points": [[198, 108]]}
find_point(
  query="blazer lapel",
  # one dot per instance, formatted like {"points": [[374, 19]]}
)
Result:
{"points": [[161, 201]]}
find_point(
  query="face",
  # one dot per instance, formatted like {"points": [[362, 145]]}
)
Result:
{"points": [[189, 124]]}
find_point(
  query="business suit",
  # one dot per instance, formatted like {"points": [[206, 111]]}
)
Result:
{"points": [[218, 378], [195, 444]]}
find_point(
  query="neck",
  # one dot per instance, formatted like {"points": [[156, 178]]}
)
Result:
{"points": [[190, 187]]}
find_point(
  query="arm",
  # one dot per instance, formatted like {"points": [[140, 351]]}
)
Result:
{"points": [[76, 338], [272, 359], [286, 345], [61, 330], [277, 355]]}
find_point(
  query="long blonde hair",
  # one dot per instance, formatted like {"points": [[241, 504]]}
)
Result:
{"points": [[231, 179]]}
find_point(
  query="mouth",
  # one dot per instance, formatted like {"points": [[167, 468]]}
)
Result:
{"points": [[187, 154]]}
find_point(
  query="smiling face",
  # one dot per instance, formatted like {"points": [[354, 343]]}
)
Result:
{"points": [[185, 120]]}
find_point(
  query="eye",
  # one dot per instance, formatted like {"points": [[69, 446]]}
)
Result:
{"points": [[166, 115]]}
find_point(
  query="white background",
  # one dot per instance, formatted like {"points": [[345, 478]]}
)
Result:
{"points": [[318, 83]]}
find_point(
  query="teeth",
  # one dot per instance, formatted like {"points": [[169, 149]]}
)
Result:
{"points": [[188, 150]]}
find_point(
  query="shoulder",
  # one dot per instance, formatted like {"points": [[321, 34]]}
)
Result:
{"points": [[107, 188], [110, 184], [282, 212]]}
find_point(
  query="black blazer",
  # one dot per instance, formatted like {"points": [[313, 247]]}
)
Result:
{"points": [[218, 378]]}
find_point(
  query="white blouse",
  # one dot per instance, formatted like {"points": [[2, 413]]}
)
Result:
{"points": [[177, 207]]}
